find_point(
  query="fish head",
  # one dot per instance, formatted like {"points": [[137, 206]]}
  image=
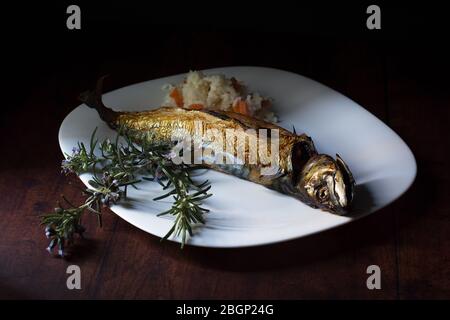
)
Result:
{"points": [[327, 183]]}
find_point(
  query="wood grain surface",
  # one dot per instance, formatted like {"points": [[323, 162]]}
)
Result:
{"points": [[403, 83]]}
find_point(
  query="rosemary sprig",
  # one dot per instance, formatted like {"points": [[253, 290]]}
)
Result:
{"points": [[123, 164]]}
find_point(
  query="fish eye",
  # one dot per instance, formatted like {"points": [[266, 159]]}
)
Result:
{"points": [[322, 193]]}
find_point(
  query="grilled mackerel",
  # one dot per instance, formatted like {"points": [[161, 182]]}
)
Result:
{"points": [[316, 179]]}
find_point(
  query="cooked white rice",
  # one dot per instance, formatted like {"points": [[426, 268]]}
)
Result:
{"points": [[216, 92]]}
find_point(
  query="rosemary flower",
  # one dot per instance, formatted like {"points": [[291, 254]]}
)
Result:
{"points": [[120, 165]]}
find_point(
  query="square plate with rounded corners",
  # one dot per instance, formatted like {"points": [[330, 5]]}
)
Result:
{"points": [[247, 214]]}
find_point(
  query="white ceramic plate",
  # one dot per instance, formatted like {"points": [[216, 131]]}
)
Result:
{"points": [[247, 214]]}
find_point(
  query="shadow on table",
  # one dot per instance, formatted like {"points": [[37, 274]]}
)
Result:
{"points": [[377, 229], [83, 249], [301, 251]]}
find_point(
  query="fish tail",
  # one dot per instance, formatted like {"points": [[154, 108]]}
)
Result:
{"points": [[93, 99]]}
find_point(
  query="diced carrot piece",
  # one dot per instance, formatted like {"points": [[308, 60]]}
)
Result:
{"points": [[196, 106], [177, 97], [241, 107]]}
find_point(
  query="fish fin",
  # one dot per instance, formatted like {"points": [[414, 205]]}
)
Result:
{"points": [[218, 114], [301, 152]]}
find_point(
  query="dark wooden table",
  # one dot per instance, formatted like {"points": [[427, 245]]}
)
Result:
{"points": [[402, 82]]}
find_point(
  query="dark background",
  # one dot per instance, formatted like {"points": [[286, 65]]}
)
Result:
{"points": [[399, 73]]}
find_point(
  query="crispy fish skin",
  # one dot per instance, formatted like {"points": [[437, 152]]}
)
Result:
{"points": [[163, 122], [316, 179]]}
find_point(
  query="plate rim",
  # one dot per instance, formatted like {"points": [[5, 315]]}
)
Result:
{"points": [[408, 184]]}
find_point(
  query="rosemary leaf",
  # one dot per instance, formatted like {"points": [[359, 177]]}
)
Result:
{"points": [[117, 167]]}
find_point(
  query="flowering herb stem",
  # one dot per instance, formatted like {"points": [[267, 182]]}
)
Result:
{"points": [[116, 166]]}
